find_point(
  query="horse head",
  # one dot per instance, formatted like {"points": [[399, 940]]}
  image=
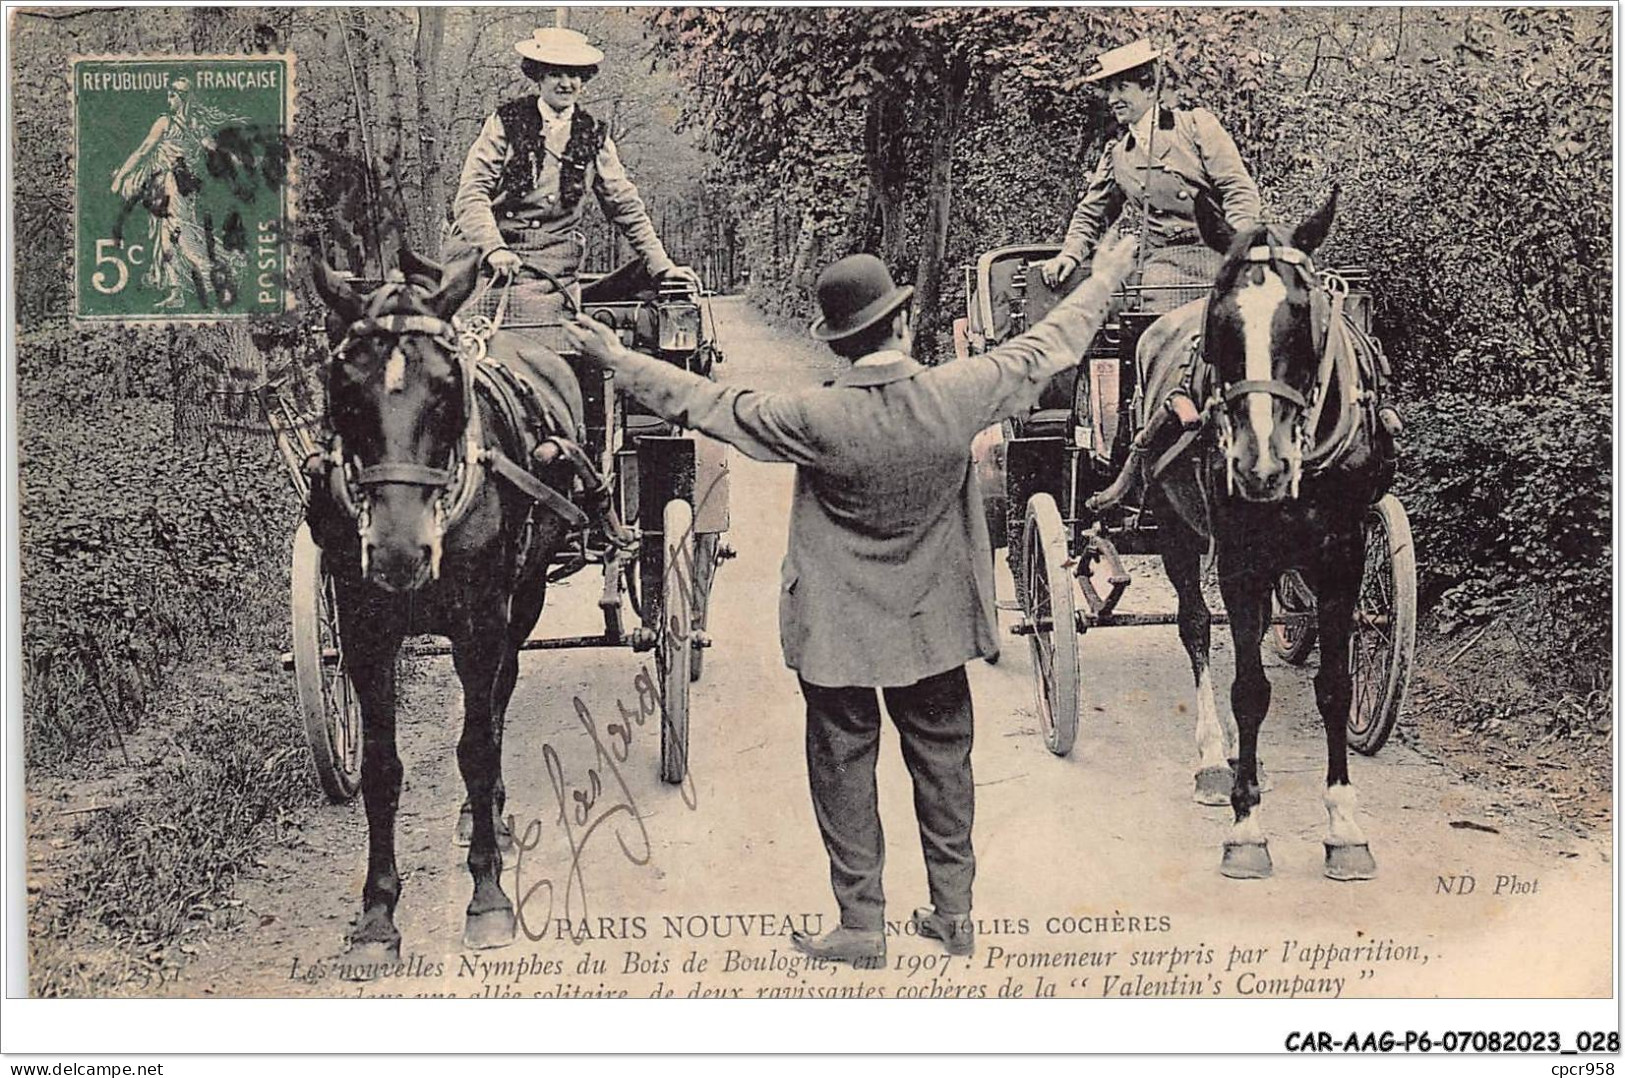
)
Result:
{"points": [[1266, 332], [401, 409]]}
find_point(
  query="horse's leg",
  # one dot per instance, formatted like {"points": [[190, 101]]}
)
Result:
{"points": [[481, 652], [1348, 854], [524, 611], [370, 661], [1182, 561], [1247, 599]]}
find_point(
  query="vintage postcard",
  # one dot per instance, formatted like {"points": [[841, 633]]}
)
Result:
{"points": [[1092, 504]]}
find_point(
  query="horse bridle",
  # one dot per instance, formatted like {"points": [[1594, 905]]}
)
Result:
{"points": [[457, 483], [1334, 290]]}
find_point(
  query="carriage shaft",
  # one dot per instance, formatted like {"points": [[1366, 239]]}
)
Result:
{"points": [[1087, 621]]}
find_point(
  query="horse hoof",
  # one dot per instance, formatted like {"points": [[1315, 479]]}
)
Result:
{"points": [[366, 960], [1350, 862], [1213, 786], [492, 928], [1246, 861]]}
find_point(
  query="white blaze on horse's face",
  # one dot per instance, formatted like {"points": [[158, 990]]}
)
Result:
{"points": [[1257, 304], [395, 371]]}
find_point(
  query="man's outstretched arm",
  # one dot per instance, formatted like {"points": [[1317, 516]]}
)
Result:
{"points": [[764, 425]]}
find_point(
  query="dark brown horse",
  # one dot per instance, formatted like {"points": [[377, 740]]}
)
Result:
{"points": [[420, 536], [1279, 476]]}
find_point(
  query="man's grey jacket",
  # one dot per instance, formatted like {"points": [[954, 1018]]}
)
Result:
{"points": [[889, 576]]}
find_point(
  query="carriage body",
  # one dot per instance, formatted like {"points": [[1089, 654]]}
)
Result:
{"points": [[1076, 440], [641, 451], [1038, 471]]}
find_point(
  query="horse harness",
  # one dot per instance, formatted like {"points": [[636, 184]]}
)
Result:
{"points": [[1339, 344], [459, 481]]}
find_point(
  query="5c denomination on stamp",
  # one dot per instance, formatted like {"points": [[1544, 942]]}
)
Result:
{"points": [[182, 186]]}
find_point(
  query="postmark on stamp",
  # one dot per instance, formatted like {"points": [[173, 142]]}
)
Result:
{"points": [[182, 187]]}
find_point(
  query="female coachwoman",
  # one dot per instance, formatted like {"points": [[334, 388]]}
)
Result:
{"points": [[1149, 178], [521, 198]]}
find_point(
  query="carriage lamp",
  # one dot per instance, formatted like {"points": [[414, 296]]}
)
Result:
{"points": [[679, 327]]}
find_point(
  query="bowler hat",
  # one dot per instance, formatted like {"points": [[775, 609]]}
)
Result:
{"points": [[853, 294], [1127, 58], [559, 47]]}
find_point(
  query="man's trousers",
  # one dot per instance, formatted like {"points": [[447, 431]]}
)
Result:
{"points": [[934, 722]]}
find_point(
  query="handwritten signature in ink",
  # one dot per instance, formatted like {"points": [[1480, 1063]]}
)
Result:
{"points": [[605, 798]]}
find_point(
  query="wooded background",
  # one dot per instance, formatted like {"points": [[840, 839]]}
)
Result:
{"points": [[1473, 148]]}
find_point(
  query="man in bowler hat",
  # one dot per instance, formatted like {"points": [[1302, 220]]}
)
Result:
{"points": [[888, 582]]}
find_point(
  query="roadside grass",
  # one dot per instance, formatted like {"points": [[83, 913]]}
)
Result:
{"points": [[219, 775], [1498, 710]]}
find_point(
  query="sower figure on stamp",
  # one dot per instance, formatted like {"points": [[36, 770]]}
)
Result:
{"points": [[519, 201], [887, 583], [164, 174]]}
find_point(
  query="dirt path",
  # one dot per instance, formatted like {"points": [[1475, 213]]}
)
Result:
{"points": [[1100, 859]]}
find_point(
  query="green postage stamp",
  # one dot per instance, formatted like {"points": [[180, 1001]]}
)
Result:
{"points": [[182, 184]]}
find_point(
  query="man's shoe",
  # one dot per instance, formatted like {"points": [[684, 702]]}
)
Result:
{"points": [[956, 933], [864, 950]]}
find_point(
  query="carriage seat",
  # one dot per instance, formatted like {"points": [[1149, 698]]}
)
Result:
{"points": [[1048, 423]]}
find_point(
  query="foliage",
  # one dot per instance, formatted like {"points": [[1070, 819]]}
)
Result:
{"points": [[1475, 157], [218, 788], [885, 98], [1529, 525], [137, 547]]}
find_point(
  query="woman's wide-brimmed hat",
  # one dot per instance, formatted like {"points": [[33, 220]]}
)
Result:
{"points": [[854, 294], [1127, 58], [559, 47]]}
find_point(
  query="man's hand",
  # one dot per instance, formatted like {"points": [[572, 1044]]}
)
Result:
{"points": [[503, 262], [684, 273], [1114, 258], [593, 339], [1057, 269]]}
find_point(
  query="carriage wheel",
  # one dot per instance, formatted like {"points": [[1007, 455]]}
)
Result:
{"points": [[674, 654], [705, 573], [1047, 602], [1293, 601], [327, 700], [1384, 638]]}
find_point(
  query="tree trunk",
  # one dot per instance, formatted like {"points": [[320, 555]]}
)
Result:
{"points": [[939, 202], [883, 152], [430, 123], [399, 212]]}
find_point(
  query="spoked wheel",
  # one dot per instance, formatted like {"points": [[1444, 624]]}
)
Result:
{"points": [[705, 573], [327, 700], [1295, 635], [674, 652], [1383, 643], [1047, 602]]}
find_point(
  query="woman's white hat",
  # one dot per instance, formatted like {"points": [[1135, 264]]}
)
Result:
{"points": [[1127, 58], [560, 47]]}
